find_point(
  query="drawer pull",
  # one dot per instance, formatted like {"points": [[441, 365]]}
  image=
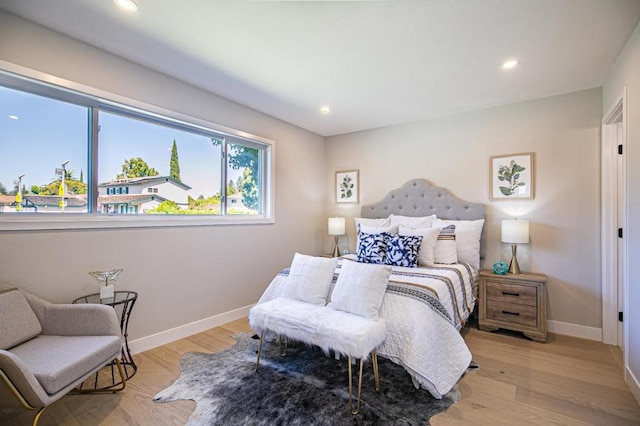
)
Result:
{"points": [[511, 313], [506, 293]]}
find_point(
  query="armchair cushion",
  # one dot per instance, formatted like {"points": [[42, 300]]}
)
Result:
{"points": [[18, 322], [57, 361]]}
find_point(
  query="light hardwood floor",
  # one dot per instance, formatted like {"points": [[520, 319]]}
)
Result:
{"points": [[566, 381]]}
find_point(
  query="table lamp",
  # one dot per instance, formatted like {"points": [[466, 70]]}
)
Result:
{"points": [[515, 232], [336, 228]]}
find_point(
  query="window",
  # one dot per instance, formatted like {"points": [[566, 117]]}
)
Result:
{"points": [[63, 151]]}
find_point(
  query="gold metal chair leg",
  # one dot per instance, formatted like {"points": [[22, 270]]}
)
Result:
{"points": [[37, 417], [259, 349], [376, 374]]}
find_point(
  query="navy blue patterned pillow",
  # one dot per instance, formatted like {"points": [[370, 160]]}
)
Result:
{"points": [[372, 248], [402, 250]]}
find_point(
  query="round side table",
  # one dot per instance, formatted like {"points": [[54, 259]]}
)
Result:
{"points": [[122, 301]]}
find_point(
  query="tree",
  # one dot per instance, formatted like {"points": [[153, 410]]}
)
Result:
{"points": [[174, 165], [249, 190], [16, 189], [3, 189], [247, 158], [68, 174], [73, 187], [166, 207], [35, 189], [136, 167], [81, 178], [231, 188]]}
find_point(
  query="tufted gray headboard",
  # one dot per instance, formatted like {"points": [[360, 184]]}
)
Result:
{"points": [[418, 197]]}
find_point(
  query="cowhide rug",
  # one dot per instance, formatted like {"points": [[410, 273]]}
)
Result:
{"points": [[304, 388]]}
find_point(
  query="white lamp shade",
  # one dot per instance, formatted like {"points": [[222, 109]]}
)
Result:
{"points": [[515, 231], [336, 226]]}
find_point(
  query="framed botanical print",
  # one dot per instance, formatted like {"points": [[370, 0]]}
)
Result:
{"points": [[347, 186], [511, 177]]}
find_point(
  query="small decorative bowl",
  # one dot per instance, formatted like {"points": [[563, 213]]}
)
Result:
{"points": [[500, 268]]}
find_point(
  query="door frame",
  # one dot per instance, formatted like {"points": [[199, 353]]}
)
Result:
{"points": [[609, 221]]}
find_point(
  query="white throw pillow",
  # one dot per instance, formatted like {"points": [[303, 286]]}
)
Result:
{"points": [[371, 222], [310, 279], [468, 234], [427, 253], [360, 288], [412, 222], [378, 229], [446, 246]]}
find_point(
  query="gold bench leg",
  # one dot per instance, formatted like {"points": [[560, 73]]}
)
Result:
{"points": [[357, 410], [376, 374], [259, 349]]}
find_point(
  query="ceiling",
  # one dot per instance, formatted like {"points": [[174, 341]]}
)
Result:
{"points": [[374, 63]]}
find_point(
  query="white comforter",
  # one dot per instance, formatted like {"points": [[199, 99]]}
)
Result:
{"points": [[424, 309]]}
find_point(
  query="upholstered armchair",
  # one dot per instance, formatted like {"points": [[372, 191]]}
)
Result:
{"points": [[47, 350]]}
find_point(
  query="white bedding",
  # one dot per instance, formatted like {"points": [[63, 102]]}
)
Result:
{"points": [[424, 309]]}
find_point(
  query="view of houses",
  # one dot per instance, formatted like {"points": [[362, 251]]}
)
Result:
{"points": [[139, 189], [128, 196]]}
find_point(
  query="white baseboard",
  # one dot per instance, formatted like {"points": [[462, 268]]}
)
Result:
{"points": [[149, 342], [575, 330], [633, 383]]}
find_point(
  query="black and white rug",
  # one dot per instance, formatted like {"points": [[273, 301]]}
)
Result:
{"points": [[304, 388]]}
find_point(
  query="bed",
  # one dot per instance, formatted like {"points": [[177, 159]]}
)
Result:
{"points": [[424, 307]]}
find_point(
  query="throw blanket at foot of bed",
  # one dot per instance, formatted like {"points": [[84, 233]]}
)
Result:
{"points": [[423, 310]]}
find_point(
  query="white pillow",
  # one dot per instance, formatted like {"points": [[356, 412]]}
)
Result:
{"points": [[310, 279], [371, 222], [378, 229], [427, 252], [360, 288], [446, 246], [468, 233], [412, 222]]}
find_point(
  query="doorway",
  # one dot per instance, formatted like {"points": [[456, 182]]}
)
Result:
{"points": [[614, 253]]}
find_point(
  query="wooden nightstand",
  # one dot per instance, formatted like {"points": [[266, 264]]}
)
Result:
{"points": [[514, 302]]}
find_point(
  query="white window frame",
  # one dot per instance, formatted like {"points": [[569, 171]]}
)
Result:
{"points": [[25, 78]]}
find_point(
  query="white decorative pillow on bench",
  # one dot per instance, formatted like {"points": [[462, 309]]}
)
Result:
{"points": [[360, 288], [310, 279]]}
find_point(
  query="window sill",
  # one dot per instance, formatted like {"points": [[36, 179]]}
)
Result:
{"points": [[70, 221]]}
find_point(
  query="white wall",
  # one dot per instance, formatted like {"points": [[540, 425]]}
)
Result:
{"points": [[626, 72], [453, 152], [182, 274]]}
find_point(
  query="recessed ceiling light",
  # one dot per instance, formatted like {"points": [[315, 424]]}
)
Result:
{"points": [[325, 110], [127, 5], [13, 117], [511, 63]]}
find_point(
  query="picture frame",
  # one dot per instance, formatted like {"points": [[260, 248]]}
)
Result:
{"points": [[347, 186], [512, 177]]}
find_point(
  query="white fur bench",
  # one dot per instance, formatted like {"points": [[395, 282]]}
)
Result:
{"points": [[344, 333]]}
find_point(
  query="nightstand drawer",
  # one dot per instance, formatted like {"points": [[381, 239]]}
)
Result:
{"points": [[511, 293], [512, 313]]}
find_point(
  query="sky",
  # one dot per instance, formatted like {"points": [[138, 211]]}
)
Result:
{"points": [[38, 134]]}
